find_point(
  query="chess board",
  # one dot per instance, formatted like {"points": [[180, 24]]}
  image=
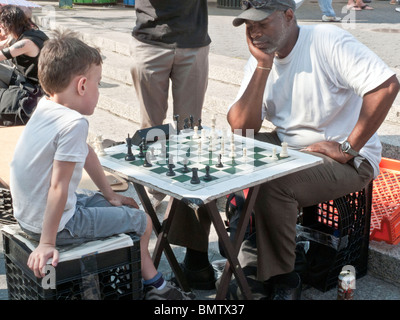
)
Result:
{"points": [[245, 162]]}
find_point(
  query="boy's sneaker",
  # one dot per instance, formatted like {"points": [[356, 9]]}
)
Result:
{"points": [[169, 292], [330, 19]]}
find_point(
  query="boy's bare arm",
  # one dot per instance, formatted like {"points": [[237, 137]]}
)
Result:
{"points": [[56, 200], [96, 173]]}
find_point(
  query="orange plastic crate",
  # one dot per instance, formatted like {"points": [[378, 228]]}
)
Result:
{"points": [[385, 211]]}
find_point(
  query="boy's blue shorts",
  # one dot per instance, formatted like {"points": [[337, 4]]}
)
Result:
{"points": [[96, 218]]}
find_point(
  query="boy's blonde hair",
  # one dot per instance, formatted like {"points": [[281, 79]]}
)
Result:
{"points": [[63, 57]]}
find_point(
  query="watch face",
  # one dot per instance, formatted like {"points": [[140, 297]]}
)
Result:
{"points": [[345, 146]]}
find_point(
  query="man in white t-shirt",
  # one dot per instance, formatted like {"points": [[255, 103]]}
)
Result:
{"points": [[325, 93]]}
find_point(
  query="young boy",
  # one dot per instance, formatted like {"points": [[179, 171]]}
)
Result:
{"points": [[48, 162]]}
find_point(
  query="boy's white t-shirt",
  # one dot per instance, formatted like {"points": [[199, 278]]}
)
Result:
{"points": [[315, 93], [54, 132]]}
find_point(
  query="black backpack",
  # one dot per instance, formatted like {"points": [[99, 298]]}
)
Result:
{"points": [[17, 103]]}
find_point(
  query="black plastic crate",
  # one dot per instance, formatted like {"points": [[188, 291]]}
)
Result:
{"points": [[338, 231], [6, 209], [112, 275], [230, 4]]}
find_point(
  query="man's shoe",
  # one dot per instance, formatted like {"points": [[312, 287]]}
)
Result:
{"points": [[283, 291], [169, 292], [330, 19], [203, 279]]}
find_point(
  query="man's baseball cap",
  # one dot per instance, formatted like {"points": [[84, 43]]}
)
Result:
{"points": [[257, 10]]}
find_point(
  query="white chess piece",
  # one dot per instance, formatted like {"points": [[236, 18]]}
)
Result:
{"points": [[274, 156], [99, 146], [195, 135], [232, 154], [284, 151], [204, 135]]}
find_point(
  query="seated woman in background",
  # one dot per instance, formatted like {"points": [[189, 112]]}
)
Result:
{"points": [[21, 46]]}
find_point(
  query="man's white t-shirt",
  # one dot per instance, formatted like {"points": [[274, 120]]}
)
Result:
{"points": [[315, 93], [54, 132]]}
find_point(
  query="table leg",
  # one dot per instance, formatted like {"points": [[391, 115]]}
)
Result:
{"points": [[161, 231], [232, 249]]}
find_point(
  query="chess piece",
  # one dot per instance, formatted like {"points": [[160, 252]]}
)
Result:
{"points": [[176, 117], [199, 124], [274, 156], [195, 177], [129, 156], [185, 169], [244, 153], [163, 150], [141, 153], [284, 152], [186, 123], [191, 121], [99, 146], [232, 153], [219, 164], [147, 162], [204, 135], [195, 134], [170, 172], [144, 143], [171, 160], [207, 177], [152, 156]]}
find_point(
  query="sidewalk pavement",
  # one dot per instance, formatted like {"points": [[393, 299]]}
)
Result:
{"points": [[379, 29]]}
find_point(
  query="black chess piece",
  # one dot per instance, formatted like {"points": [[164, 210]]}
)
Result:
{"points": [[219, 164], [141, 153], [129, 156], [176, 117], [171, 160], [186, 123], [207, 177], [185, 169], [195, 177], [170, 172], [199, 125], [147, 162], [191, 121], [144, 143]]}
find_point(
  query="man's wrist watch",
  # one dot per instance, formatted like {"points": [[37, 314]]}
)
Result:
{"points": [[346, 147]]}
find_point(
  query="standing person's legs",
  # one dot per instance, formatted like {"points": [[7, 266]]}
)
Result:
{"points": [[189, 82], [326, 8], [191, 229], [150, 70]]}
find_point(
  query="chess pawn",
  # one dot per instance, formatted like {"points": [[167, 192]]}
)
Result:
{"points": [[207, 176], [204, 135], [195, 135], [99, 146], [284, 152], [274, 156]]}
